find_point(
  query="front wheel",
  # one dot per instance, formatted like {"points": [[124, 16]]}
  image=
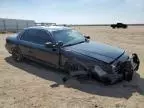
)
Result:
{"points": [[17, 55]]}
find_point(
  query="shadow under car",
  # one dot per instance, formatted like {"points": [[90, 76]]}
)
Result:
{"points": [[123, 89]]}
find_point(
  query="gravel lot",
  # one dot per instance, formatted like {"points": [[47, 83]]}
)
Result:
{"points": [[30, 85]]}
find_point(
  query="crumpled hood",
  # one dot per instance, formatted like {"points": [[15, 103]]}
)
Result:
{"points": [[97, 50]]}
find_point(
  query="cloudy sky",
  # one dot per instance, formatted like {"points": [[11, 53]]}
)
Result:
{"points": [[74, 11]]}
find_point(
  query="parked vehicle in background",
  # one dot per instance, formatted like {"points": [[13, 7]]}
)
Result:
{"points": [[119, 25], [65, 48]]}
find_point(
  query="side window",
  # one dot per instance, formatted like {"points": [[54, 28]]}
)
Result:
{"points": [[24, 36], [42, 37], [35, 36], [28, 35]]}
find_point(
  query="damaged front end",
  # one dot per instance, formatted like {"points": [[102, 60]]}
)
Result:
{"points": [[130, 66], [121, 69]]}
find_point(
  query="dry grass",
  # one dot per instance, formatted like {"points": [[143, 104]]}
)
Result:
{"points": [[29, 85]]}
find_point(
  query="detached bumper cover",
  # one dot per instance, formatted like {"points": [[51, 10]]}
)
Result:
{"points": [[130, 67], [135, 61]]}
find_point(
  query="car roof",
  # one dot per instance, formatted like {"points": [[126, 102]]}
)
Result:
{"points": [[50, 28]]}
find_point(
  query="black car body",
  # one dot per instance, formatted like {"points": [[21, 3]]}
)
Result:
{"points": [[65, 48], [119, 25]]}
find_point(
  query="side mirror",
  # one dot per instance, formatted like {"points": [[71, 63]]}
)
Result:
{"points": [[50, 45], [87, 37]]}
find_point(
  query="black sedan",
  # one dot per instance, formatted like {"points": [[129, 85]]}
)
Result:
{"points": [[119, 25], [66, 48]]}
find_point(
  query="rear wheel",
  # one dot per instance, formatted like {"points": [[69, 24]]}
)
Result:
{"points": [[17, 55]]}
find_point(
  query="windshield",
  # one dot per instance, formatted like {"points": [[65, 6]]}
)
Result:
{"points": [[68, 37]]}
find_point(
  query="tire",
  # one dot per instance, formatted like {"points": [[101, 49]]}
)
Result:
{"points": [[17, 55]]}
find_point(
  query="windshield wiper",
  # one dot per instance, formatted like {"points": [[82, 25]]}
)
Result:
{"points": [[80, 42], [68, 45], [74, 43]]}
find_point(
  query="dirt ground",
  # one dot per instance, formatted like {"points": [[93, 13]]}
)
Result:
{"points": [[30, 85]]}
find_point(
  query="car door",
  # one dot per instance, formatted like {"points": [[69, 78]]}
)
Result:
{"points": [[48, 55], [25, 43]]}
